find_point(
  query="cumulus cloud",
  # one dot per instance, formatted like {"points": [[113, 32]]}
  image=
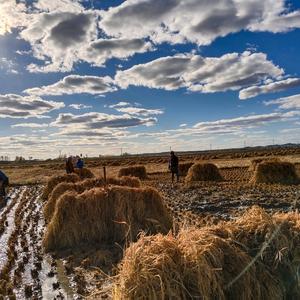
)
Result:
{"points": [[204, 74], [196, 21], [16, 106], [76, 84], [271, 87], [8, 66], [291, 102], [101, 50], [95, 120]]}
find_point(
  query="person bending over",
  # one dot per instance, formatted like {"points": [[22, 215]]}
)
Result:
{"points": [[4, 182]]}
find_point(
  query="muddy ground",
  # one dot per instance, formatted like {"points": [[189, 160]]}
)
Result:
{"points": [[26, 272]]}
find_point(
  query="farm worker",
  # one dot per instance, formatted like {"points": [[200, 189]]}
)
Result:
{"points": [[69, 165], [79, 165], [3, 184], [173, 165]]}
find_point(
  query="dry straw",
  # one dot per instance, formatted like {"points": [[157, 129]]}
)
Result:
{"points": [[275, 172], [255, 162], [80, 187], [108, 215], [136, 171], [183, 168], [55, 180], [203, 172], [254, 257], [84, 173]]}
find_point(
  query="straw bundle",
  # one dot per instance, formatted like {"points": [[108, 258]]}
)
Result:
{"points": [[80, 187], [255, 162], [135, 171], [183, 168], [84, 173], [254, 257], [203, 172], [115, 214], [275, 172], [55, 180]]}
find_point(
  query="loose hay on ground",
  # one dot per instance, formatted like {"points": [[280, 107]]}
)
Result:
{"points": [[273, 172], [110, 215], [135, 171], [203, 172], [81, 186], [55, 180], [254, 257]]}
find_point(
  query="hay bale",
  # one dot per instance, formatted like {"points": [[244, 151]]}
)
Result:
{"points": [[255, 162], [254, 257], [110, 215], [84, 173], [81, 186], [275, 172], [55, 180], [183, 168], [135, 171], [193, 265], [203, 172]]}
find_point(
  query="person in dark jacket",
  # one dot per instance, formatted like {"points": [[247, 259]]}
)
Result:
{"points": [[69, 165], [173, 166], [4, 182], [79, 165]]}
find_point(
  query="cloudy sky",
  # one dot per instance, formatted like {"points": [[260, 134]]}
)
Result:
{"points": [[93, 77]]}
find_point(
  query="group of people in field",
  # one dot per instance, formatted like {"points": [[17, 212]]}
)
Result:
{"points": [[73, 162]]}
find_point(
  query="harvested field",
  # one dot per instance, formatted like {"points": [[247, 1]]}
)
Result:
{"points": [[89, 270]]}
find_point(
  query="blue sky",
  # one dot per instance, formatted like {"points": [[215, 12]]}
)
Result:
{"points": [[92, 77]]}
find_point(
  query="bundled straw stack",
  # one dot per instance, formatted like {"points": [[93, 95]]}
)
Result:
{"points": [[183, 168], [80, 187], [203, 172], [273, 172], [114, 214], [255, 257], [135, 171], [55, 180]]}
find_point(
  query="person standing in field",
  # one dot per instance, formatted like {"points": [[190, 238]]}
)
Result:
{"points": [[4, 182], [80, 165], [173, 166], [69, 165]]}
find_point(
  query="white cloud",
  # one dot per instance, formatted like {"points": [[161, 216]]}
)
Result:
{"points": [[76, 84], [99, 51], [16, 106], [203, 74], [270, 87], [95, 120], [120, 104], [197, 21], [291, 102], [30, 125], [139, 111], [80, 106], [8, 66]]}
